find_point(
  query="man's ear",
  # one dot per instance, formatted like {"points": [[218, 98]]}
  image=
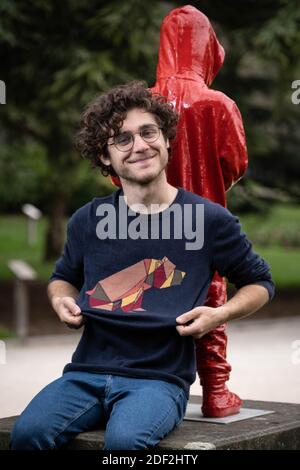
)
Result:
{"points": [[168, 143], [105, 159]]}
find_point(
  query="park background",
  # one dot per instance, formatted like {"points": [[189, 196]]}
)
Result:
{"points": [[56, 56]]}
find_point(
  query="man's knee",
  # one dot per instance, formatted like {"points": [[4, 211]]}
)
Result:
{"points": [[125, 440], [28, 435]]}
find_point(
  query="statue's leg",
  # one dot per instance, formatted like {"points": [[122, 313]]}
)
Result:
{"points": [[213, 369]]}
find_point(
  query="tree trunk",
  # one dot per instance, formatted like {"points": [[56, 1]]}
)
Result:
{"points": [[56, 229]]}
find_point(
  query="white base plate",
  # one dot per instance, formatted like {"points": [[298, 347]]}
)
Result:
{"points": [[193, 413]]}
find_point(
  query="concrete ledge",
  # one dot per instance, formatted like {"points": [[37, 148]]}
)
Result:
{"points": [[278, 431]]}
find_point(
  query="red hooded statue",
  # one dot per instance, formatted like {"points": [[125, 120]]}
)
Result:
{"points": [[208, 157]]}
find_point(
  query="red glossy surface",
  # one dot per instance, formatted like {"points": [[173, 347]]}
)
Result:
{"points": [[208, 156]]}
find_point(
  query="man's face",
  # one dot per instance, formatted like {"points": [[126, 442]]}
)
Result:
{"points": [[145, 161]]}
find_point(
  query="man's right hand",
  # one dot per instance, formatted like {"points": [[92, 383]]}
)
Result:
{"points": [[68, 311]]}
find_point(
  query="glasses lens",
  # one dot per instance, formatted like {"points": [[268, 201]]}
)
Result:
{"points": [[150, 134], [123, 141]]}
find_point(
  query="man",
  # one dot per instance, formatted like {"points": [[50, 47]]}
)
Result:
{"points": [[137, 282]]}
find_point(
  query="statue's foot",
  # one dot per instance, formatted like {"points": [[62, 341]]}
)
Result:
{"points": [[220, 404]]}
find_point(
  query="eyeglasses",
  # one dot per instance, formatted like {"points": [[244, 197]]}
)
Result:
{"points": [[125, 140]]}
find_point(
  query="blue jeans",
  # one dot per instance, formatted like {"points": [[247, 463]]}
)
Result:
{"points": [[137, 412]]}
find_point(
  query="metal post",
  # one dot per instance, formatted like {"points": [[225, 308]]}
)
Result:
{"points": [[33, 215], [23, 273], [21, 308], [31, 227]]}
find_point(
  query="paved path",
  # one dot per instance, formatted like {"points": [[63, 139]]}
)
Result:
{"points": [[265, 365]]}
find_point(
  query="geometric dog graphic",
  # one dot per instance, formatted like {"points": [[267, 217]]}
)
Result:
{"points": [[125, 289]]}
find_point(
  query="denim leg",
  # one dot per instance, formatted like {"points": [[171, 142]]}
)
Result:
{"points": [[64, 408], [143, 412]]}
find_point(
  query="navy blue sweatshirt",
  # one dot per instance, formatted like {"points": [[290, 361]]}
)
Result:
{"points": [[133, 285]]}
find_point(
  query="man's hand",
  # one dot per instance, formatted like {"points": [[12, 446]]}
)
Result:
{"points": [[200, 320], [68, 311]]}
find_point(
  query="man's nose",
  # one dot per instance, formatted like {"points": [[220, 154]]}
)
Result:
{"points": [[139, 145]]}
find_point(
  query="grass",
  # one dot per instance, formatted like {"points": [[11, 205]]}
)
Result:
{"points": [[284, 260], [6, 334], [278, 227], [284, 263], [13, 245]]}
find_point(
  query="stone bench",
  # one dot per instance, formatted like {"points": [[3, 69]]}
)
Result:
{"points": [[279, 431]]}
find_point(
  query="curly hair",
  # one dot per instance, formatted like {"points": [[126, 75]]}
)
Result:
{"points": [[107, 112]]}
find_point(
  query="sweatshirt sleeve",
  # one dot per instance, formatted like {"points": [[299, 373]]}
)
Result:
{"points": [[69, 267], [233, 256]]}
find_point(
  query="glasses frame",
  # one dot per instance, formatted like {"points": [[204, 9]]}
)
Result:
{"points": [[133, 134]]}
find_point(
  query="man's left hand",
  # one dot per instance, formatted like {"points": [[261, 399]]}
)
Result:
{"points": [[200, 320]]}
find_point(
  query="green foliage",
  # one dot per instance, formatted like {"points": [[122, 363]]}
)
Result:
{"points": [[280, 38], [25, 177], [23, 168], [6, 334], [56, 56], [279, 227], [284, 265], [13, 242]]}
